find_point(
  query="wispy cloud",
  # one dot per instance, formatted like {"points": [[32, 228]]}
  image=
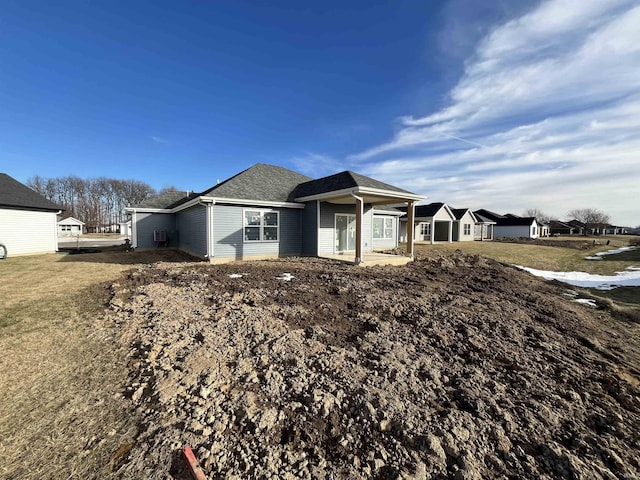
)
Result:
{"points": [[316, 165], [545, 115], [158, 140]]}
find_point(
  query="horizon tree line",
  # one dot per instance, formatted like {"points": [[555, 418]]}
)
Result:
{"points": [[98, 202]]}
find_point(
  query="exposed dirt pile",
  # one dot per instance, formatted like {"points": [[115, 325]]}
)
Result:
{"points": [[581, 244], [453, 367]]}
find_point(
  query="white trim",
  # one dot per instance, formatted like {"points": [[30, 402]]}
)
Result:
{"points": [[387, 212], [232, 201], [335, 229], [361, 191]]}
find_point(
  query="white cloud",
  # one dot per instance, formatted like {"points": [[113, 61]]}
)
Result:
{"points": [[158, 139], [546, 115]]}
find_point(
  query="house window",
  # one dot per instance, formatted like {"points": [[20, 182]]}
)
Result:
{"points": [[383, 227], [533, 230], [467, 229], [261, 226], [66, 228], [425, 229]]}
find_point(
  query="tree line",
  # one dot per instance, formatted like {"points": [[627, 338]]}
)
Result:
{"points": [[98, 202], [592, 218]]}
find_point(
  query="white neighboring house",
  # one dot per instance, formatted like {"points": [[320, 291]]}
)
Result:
{"points": [[464, 225], [516, 227], [70, 227], [28, 221]]}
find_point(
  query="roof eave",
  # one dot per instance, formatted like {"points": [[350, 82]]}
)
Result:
{"points": [[390, 194]]}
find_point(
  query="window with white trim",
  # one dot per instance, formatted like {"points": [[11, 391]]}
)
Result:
{"points": [[383, 227], [261, 226], [425, 229], [467, 229]]}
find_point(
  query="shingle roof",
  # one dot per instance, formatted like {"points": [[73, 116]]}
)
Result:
{"points": [[341, 181], [482, 219], [488, 214], [459, 212], [17, 195], [514, 221], [164, 200], [427, 210], [262, 182]]}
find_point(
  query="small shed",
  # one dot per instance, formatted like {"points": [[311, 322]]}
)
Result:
{"points": [[70, 227]]}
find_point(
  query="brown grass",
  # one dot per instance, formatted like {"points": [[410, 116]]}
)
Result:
{"points": [[61, 412], [544, 257]]}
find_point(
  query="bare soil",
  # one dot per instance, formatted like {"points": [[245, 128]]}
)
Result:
{"points": [[454, 366]]}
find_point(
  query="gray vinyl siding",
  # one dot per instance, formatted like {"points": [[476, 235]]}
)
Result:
{"points": [[27, 232], [310, 229], [327, 226], [147, 223], [229, 238], [192, 228]]}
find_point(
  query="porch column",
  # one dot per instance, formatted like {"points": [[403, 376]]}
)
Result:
{"points": [[432, 229], [451, 232], [410, 228], [359, 215]]}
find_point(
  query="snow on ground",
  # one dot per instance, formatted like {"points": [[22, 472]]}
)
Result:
{"points": [[628, 278], [598, 256]]}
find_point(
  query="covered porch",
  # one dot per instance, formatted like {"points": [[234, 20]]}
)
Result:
{"points": [[346, 207]]}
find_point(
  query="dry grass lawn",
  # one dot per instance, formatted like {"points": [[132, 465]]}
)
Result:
{"points": [[61, 412]]}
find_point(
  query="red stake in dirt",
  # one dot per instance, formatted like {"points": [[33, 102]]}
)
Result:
{"points": [[192, 463]]}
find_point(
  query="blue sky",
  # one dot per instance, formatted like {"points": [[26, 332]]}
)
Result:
{"points": [[503, 105]]}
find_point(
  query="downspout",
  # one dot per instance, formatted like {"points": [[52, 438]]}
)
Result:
{"points": [[359, 221], [134, 229], [317, 228], [55, 230], [209, 226]]}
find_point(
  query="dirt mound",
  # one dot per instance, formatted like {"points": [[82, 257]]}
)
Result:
{"points": [[452, 367], [550, 242]]}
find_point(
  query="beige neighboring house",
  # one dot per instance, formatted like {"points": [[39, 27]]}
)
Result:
{"points": [[70, 227], [28, 221], [432, 223]]}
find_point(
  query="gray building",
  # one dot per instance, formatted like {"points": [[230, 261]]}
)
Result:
{"points": [[269, 211]]}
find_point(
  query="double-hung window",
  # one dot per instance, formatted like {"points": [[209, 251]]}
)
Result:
{"points": [[467, 229], [383, 227], [261, 226], [425, 229]]}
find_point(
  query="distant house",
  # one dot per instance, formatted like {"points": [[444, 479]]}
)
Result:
{"points": [[516, 227], [70, 227], [432, 223], [28, 221], [579, 228], [464, 225], [510, 225], [556, 227], [484, 226], [268, 211]]}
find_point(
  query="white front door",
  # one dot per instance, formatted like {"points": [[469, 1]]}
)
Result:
{"points": [[345, 233]]}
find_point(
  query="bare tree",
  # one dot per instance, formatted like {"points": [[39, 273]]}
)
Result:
{"points": [[592, 218], [99, 202], [538, 214]]}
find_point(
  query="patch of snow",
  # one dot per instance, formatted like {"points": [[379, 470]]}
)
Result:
{"points": [[571, 293], [586, 301], [235, 275], [599, 255], [286, 277], [630, 278]]}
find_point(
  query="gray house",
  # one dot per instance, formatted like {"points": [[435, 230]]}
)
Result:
{"points": [[268, 211], [28, 221]]}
